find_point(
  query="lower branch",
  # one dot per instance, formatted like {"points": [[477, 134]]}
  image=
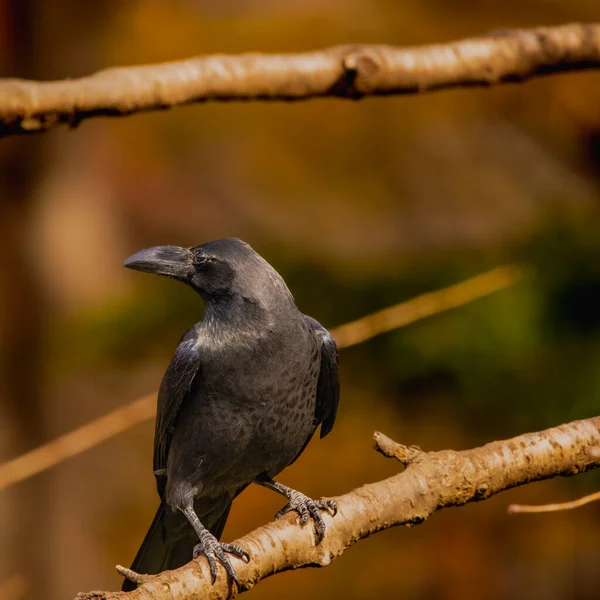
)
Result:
{"points": [[431, 481]]}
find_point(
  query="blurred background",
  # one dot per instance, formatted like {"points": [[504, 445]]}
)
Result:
{"points": [[359, 206]]}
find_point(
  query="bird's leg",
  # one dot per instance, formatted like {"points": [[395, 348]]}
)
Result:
{"points": [[303, 505], [210, 546]]}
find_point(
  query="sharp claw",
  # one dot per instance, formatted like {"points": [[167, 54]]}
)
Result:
{"points": [[212, 563], [329, 505], [284, 511], [232, 574], [227, 565], [214, 550], [320, 534], [318, 520], [238, 551]]}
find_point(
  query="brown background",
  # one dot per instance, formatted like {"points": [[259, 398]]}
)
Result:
{"points": [[359, 205]]}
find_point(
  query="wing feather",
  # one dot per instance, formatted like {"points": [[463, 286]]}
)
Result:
{"points": [[328, 388], [174, 388]]}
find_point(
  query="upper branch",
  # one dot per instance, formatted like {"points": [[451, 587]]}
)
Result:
{"points": [[431, 481], [352, 71]]}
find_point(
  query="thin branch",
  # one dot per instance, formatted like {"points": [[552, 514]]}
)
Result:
{"points": [[351, 71], [525, 508], [77, 441], [144, 409], [426, 305], [432, 481]]}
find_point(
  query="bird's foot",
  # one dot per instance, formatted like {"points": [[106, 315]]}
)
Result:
{"points": [[308, 508], [214, 550]]}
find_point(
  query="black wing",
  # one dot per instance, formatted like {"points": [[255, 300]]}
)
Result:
{"points": [[328, 387], [173, 390]]}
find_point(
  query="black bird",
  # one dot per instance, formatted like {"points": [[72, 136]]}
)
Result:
{"points": [[246, 390]]}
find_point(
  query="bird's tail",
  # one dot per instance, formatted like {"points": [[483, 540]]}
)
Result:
{"points": [[170, 541]]}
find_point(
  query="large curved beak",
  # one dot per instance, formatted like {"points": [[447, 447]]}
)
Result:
{"points": [[171, 261]]}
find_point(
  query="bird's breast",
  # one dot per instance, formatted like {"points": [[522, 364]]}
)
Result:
{"points": [[250, 416]]}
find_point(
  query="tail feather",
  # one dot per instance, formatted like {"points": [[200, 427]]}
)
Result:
{"points": [[169, 543]]}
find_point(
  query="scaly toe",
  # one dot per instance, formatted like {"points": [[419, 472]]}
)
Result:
{"points": [[305, 513], [318, 521], [329, 505], [215, 550], [197, 551], [212, 563], [310, 509], [224, 560], [236, 551]]}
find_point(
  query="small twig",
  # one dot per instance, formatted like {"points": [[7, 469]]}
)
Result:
{"points": [[138, 578], [514, 509], [392, 449]]}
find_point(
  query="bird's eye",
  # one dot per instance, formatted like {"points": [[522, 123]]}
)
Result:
{"points": [[199, 257]]}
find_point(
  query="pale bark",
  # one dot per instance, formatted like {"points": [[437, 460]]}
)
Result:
{"points": [[431, 481], [352, 71]]}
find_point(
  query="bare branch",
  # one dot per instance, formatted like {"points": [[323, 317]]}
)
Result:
{"points": [[75, 442], [352, 71], [513, 509], [431, 481], [426, 305], [144, 409]]}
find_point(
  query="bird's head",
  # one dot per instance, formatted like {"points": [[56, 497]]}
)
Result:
{"points": [[218, 270]]}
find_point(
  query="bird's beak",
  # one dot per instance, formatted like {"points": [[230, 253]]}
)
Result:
{"points": [[171, 261]]}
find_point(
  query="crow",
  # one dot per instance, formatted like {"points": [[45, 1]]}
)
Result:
{"points": [[246, 390]]}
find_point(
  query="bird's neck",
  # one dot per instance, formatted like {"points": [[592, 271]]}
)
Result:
{"points": [[237, 313]]}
